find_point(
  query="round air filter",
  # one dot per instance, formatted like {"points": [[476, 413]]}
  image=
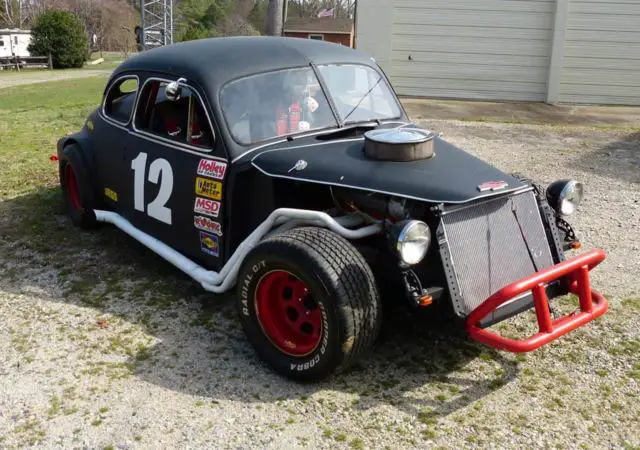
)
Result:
{"points": [[399, 144]]}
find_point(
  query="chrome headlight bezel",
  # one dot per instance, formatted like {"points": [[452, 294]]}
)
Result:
{"points": [[410, 240], [565, 196]]}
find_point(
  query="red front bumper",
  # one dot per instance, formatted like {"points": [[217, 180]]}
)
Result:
{"points": [[592, 304]]}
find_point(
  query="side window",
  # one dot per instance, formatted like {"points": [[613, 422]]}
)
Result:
{"points": [[1, 43], [120, 100], [183, 120]]}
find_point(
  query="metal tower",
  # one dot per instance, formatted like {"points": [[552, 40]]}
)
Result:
{"points": [[156, 19]]}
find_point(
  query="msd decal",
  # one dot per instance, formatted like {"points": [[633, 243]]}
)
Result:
{"points": [[209, 244], [207, 207], [211, 168], [206, 224]]}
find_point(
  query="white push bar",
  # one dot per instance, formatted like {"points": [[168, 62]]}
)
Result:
{"points": [[218, 282]]}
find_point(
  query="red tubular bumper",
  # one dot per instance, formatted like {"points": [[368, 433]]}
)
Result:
{"points": [[592, 304]]}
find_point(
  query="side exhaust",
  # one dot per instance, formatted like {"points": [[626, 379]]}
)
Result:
{"points": [[218, 282]]}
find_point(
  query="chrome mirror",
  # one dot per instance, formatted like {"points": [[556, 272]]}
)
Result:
{"points": [[173, 89]]}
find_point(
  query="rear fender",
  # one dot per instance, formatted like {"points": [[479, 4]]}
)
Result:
{"points": [[85, 151]]}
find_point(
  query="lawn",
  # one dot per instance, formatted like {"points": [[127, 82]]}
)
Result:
{"points": [[32, 119], [107, 344]]}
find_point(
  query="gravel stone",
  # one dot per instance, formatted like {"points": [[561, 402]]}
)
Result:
{"points": [[132, 355]]}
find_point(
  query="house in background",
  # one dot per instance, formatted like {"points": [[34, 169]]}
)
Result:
{"points": [[567, 51], [14, 42], [338, 31]]}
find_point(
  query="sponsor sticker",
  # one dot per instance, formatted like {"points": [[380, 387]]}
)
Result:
{"points": [[209, 188], [206, 224], [207, 207], [209, 244], [113, 195], [211, 168], [492, 185]]}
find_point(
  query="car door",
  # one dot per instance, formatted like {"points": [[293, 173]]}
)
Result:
{"points": [[175, 172], [112, 128]]}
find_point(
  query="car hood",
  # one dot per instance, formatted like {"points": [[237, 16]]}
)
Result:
{"points": [[450, 176]]}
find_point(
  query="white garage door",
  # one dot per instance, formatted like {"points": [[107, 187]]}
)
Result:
{"points": [[602, 53], [479, 49]]}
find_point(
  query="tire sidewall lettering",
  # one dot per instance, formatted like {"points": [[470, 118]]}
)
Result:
{"points": [[248, 285]]}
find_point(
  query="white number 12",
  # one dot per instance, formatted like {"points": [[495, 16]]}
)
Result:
{"points": [[160, 170]]}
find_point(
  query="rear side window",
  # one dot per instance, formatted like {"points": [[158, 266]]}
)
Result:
{"points": [[183, 120], [120, 100], [1, 43]]}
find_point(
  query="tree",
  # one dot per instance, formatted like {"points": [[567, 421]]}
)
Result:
{"points": [[61, 34]]}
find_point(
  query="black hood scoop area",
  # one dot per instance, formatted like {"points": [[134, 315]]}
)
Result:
{"points": [[450, 175]]}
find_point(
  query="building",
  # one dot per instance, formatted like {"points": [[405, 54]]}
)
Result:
{"points": [[573, 51], [339, 31], [14, 42]]}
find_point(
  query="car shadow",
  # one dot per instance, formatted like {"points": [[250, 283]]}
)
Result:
{"points": [[618, 159], [418, 364]]}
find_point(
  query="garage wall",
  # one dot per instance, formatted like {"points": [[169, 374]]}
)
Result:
{"points": [[479, 49], [602, 53]]}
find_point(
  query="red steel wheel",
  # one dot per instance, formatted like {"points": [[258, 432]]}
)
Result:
{"points": [[72, 186], [288, 314]]}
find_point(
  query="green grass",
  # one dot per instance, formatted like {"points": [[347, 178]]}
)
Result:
{"points": [[32, 119]]}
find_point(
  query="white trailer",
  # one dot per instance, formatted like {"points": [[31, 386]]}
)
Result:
{"points": [[14, 42]]}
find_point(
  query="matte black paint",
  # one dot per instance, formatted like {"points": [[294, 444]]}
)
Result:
{"points": [[208, 64], [451, 176]]}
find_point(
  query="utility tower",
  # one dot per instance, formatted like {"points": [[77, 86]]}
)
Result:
{"points": [[156, 21]]}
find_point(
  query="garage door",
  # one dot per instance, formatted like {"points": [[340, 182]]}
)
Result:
{"points": [[478, 49], [602, 53]]}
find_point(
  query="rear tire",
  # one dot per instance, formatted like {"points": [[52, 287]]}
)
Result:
{"points": [[308, 303], [75, 181]]}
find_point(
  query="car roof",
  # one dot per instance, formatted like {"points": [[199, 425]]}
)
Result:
{"points": [[213, 62]]}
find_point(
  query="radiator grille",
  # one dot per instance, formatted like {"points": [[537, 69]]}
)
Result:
{"points": [[484, 247]]}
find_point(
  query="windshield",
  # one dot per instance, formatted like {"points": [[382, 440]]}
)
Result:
{"points": [[274, 104], [360, 93], [286, 102]]}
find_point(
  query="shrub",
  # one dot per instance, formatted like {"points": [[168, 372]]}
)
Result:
{"points": [[62, 34]]}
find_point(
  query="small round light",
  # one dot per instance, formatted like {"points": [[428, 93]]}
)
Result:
{"points": [[565, 196], [412, 240]]}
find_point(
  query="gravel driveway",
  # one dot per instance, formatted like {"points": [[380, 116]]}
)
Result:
{"points": [[121, 351]]}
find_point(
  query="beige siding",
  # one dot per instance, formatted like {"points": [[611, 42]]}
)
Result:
{"points": [[602, 53], [479, 49], [373, 30]]}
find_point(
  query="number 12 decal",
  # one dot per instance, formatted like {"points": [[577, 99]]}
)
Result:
{"points": [[159, 170]]}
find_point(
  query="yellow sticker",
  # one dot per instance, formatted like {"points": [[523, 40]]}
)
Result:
{"points": [[111, 194], [90, 125], [209, 188]]}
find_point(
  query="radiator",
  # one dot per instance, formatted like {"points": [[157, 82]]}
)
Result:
{"points": [[489, 244]]}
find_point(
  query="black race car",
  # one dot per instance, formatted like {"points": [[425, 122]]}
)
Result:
{"points": [[288, 168]]}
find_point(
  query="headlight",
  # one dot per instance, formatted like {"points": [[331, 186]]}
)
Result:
{"points": [[410, 240], [564, 196]]}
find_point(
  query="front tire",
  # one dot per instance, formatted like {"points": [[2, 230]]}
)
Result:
{"points": [[308, 303]]}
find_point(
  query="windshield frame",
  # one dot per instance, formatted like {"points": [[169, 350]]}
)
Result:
{"points": [[338, 122]]}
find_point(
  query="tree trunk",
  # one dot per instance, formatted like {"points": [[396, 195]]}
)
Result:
{"points": [[274, 18]]}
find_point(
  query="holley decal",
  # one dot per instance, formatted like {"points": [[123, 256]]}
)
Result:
{"points": [[206, 224], [209, 188], [207, 207], [211, 168]]}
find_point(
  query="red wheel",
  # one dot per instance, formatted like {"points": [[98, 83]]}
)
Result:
{"points": [[308, 303], [72, 186], [75, 181], [288, 314]]}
